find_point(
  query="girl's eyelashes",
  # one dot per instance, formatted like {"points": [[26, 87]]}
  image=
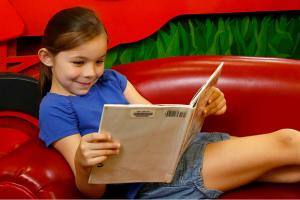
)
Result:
{"points": [[99, 61], [82, 62], [78, 62]]}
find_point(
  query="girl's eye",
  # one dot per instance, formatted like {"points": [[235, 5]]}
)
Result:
{"points": [[78, 62], [99, 62]]}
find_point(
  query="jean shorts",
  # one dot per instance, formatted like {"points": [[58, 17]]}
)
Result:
{"points": [[188, 181]]}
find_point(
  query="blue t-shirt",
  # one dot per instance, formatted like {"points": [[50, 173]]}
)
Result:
{"points": [[61, 116]]}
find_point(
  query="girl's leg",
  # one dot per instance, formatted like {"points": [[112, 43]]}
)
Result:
{"points": [[285, 174], [232, 163]]}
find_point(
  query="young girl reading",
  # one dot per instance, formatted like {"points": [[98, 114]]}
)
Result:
{"points": [[75, 88]]}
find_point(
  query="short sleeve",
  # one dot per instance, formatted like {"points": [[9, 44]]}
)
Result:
{"points": [[57, 119], [116, 77]]}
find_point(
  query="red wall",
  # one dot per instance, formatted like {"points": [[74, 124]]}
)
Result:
{"points": [[126, 20]]}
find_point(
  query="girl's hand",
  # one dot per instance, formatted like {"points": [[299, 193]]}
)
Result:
{"points": [[94, 148], [216, 104]]}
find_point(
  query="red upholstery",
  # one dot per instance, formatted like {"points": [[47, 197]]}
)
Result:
{"points": [[262, 96], [15, 129], [262, 93], [34, 171]]}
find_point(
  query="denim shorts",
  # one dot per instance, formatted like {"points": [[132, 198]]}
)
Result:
{"points": [[188, 181]]}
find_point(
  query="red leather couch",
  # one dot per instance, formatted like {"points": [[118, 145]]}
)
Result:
{"points": [[263, 95]]}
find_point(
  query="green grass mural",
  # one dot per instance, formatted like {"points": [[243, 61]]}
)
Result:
{"points": [[264, 34]]}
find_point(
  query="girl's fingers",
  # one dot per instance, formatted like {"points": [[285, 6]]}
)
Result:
{"points": [[216, 108], [219, 109], [94, 161], [97, 160], [97, 137], [215, 103], [103, 145], [222, 110], [99, 153], [214, 94], [92, 157]]}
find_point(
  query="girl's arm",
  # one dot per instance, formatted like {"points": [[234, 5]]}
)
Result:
{"points": [[133, 96], [84, 152]]}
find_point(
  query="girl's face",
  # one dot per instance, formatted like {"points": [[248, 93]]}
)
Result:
{"points": [[76, 70]]}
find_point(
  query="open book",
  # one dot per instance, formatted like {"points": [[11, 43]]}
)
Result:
{"points": [[153, 138]]}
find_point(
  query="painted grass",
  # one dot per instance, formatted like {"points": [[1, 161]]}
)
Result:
{"points": [[269, 34]]}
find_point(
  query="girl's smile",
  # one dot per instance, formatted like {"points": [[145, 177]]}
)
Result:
{"points": [[84, 85]]}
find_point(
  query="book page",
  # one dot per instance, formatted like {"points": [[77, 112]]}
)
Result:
{"points": [[150, 137], [199, 102], [213, 79]]}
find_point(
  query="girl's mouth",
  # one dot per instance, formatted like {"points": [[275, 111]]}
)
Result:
{"points": [[84, 84]]}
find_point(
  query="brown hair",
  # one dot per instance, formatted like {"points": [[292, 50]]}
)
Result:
{"points": [[68, 29]]}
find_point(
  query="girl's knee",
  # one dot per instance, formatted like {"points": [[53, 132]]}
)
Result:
{"points": [[288, 143], [288, 131], [289, 137]]}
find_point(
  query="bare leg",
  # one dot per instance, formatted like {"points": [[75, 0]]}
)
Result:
{"points": [[285, 174], [238, 161]]}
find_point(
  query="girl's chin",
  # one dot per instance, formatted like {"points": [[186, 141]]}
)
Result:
{"points": [[81, 92]]}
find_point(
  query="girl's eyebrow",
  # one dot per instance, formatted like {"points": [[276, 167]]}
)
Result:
{"points": [[78, 57], [83, 57], [103, 56]]}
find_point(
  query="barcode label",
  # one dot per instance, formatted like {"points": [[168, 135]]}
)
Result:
{"points": [[175, 113]]}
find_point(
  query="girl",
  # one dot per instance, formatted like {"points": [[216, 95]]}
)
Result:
{"points": [[76, 86]]}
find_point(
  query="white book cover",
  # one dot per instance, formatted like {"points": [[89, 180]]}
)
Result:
{"points": [[152, 137]]}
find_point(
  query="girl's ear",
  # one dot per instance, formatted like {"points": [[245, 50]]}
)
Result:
{"points": [[45, 57]]}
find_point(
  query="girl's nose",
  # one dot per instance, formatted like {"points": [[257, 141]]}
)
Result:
{"points": [[89, 70]]}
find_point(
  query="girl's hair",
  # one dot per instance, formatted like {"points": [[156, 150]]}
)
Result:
{"points": [[66, 30]]}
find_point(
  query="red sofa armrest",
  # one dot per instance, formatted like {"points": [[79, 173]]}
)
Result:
{"points": [[34, 171]]}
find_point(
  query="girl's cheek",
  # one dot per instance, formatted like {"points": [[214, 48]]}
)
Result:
{"points": [[73, 72], [100, 71]]}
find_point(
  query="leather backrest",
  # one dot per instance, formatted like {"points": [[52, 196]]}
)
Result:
{"points": [[19, 93], [263, 94]]}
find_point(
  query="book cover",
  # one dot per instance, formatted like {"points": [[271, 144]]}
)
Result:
{"points": [[152, 137]]}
